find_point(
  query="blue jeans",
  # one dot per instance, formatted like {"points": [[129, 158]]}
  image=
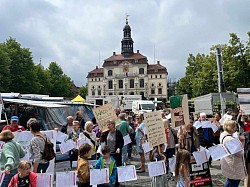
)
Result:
{"points": [[8, 177], [42, 167], [231, 183]]}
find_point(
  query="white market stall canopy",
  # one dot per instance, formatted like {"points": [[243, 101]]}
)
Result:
{"points": [[35, 103]]}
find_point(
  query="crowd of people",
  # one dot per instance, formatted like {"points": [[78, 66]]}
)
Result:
{"points": [[181, 143]]}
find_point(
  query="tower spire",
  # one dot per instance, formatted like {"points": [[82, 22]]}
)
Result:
{"points": [[127, 42]]}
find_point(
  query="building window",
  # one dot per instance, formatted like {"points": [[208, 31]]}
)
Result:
{"points": [[110, 93], [120, 93], [93, 92], [141, 71], [99, 79], [110, 72], [132, 83], [110, 84], [132, 93], [151, 76], [160, 76], [153, 84], [141, 83], [99, 92], [156, 76], [92, 79], [152, 91], [142, 94], [120, 83], [93, 87], [99, 86], [159, 90], [159, 84]]}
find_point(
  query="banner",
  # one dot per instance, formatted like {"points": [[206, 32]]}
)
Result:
{"points": [[244, 100], [179, 110], [155, 128], [200, 175], [103, 114]]}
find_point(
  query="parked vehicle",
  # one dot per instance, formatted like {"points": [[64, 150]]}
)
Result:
{"points": [[142, 106]]}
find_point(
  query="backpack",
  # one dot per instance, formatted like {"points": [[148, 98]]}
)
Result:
{"points": [[48, 152]]}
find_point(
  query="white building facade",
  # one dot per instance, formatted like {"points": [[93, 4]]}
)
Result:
{"points": [[128, 73]]}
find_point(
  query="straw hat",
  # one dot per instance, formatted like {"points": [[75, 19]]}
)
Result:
{"points": [[6, 135]]}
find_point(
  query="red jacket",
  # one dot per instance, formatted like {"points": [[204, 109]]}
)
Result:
{"points": [[246, 126], [14, 180]]}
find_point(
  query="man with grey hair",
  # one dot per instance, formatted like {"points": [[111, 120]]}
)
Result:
{"points": [[68, 127], [124, 128]]}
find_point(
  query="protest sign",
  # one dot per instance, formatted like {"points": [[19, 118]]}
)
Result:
{"points": [[200, 175], [179, 110], [156, 168], [103, 114], [66, 179], [244, 100], [127, 140], [200, 156], [45, 179], [99, 176], [172, 162], [61, 137], [146, 148], [127, 173], [234, 146], [218, 151], [155, 128], [67, 146]]}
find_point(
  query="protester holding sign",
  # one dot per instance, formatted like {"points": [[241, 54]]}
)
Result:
{"points": [[37, 145], [114, 139], [183, 158], [107, 161], [140, 137], [10, 156], [90, 134], [188, 137], [232, 166], [74, 135], [158, 155], [83, 166]]}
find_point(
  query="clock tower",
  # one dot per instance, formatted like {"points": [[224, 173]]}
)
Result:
{"points": [[127, 42]]}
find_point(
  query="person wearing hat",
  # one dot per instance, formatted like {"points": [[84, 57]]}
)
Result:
{"points": [[14, 126], [10, 156]]}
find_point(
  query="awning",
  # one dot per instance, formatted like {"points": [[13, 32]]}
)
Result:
{"points": [[35, 103], [78, 99]]}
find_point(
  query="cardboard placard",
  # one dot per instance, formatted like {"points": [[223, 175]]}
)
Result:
{"points": [[103, 114], [155, 128]]}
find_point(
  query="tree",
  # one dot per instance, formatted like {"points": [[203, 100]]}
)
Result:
{"points": [[22, 69], [61, 84], [83, 91], [44, 80], [5, 63]]}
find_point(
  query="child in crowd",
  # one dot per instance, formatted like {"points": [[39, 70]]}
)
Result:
{"points": [[156, 155], [24, 177], [183, 158], [107, 161], [83, 165]]}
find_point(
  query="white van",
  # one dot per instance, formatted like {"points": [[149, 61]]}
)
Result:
{"points": [[142, 106]]}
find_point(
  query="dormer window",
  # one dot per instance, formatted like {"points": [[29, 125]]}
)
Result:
{"points": [[141, 71], [110, 72]]}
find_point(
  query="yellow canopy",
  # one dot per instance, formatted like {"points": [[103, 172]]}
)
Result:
{"points": [[78, 99]]}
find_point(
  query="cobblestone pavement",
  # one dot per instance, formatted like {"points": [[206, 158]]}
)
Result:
{"points": [[143, 179]]}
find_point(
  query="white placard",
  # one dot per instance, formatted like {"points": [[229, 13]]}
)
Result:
{"points": [[99, 150], [61, 137], [156, 168], [99, 176], [24, 136], [66, 179], [127, 173], [218, 151], [214, 127], [2, 175], [67, 146], [172, 162], [92, 162], [146, 147], [197, 124], [127, 139], [200, 156], [225, 118], [234, 146], [45, 179]]}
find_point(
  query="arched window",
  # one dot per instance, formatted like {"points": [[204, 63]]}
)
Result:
{"points": [[110, 84], [110, 72], [141, 71]]}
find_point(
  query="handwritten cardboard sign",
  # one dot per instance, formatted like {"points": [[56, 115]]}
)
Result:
{"points": [[155, 128], [103, 114]]}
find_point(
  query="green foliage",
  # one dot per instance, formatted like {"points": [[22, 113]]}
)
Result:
{"points": [[18, 73], [201, 73], [83, 91]]}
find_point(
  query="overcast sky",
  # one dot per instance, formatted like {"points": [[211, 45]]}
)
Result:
{"points": [[72, 32]]}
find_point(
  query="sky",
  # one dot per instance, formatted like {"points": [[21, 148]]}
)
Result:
{"points": [[80, 34]]}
